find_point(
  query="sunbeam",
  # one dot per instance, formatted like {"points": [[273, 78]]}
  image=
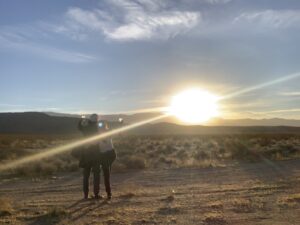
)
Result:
{"points": [[259, 86], [145, 110], [70, 146]]}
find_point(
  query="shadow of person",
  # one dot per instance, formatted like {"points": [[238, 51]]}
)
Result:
{"points": [[77, 203], [80, 205], [83, 211]]}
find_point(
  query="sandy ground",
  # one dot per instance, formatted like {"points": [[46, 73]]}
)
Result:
{"points": [[246, 193]]}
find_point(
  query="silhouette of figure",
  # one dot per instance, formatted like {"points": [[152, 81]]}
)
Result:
{"points": [[107, 157], [89, 155]]}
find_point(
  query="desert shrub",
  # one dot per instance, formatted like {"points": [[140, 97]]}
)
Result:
{"points": [[222, 150], [5, 142], [71, 167], [182, 154], [186, 144], [118, 167], [6, 208], [165, 160], [281, 150], [134, 162], [150, 147], [167, 149], [201, 155], [238, 150], [139, 152], [47, 169], [36, 169]]}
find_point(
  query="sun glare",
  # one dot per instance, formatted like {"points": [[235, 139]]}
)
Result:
{"points": [[194, 106]]}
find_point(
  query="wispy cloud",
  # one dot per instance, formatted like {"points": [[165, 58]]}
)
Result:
{"points": [[217, 1], [282, 111], [291, 94], [20, 42], [292, 113], [10, 105], [25, 108], [125, 20], [271, 18]]}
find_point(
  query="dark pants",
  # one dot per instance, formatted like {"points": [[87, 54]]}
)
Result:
{"points": [[107, 160], [86, 175]]}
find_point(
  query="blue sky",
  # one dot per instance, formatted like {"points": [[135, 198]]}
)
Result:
{"points": [[118, 55]]}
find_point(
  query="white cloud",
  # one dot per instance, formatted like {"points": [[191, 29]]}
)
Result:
{"points": [[135, 20], [271, 18]]}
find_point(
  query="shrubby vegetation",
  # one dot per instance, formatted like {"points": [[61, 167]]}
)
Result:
{"points": [[141, 152]]}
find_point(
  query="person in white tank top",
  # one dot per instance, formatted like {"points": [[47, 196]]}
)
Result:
{"points": [[107, 156]]}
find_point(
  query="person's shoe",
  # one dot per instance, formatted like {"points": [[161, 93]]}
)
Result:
{"points": [[109, 197]]}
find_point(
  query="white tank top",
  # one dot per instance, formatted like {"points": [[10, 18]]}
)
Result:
{"points": [[106, 145]]}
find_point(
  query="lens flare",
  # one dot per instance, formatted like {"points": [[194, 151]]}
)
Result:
{"points": [[76, 144], [167, 110], [194, 106], [260, 86]]}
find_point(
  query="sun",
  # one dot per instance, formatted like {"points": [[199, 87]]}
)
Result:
{"points": [[194, 106]]}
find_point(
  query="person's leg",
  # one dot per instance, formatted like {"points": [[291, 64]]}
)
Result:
{"points": [[106, 174], [109, 158], [86, 176], [96, 172], [112, 156]]}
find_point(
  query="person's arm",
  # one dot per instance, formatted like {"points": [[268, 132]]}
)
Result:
{"points": [[79, 126], [112, 144]]}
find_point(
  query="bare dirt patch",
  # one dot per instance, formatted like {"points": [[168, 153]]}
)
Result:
{"points": [[248, 193]]}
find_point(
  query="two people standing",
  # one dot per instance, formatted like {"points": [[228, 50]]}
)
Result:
{"points": [[95, 156]]}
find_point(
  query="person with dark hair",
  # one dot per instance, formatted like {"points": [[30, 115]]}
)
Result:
{"points": [[89, 155], [107, 157]]}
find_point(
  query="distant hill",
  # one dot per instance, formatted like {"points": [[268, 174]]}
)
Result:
{"points": [[132, 118], [37, 123], [42, 123], [255, 122], [175, 129]]}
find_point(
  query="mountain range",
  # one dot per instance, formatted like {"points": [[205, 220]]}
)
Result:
{"points": [[132, 118], [59, 123]]}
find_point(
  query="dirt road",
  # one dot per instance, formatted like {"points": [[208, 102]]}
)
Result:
{"points": [[254, 193]]}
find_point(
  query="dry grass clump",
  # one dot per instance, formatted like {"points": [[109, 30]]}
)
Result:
{"points": [[243, 206], [214, 219], [6, 208], [20, 141], [56, 212], [16, 146], [134, 162], [216, 205], [291, 200], [47, 167]]}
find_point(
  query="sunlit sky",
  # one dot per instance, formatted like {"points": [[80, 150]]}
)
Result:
{"points": [[116, 55]]}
